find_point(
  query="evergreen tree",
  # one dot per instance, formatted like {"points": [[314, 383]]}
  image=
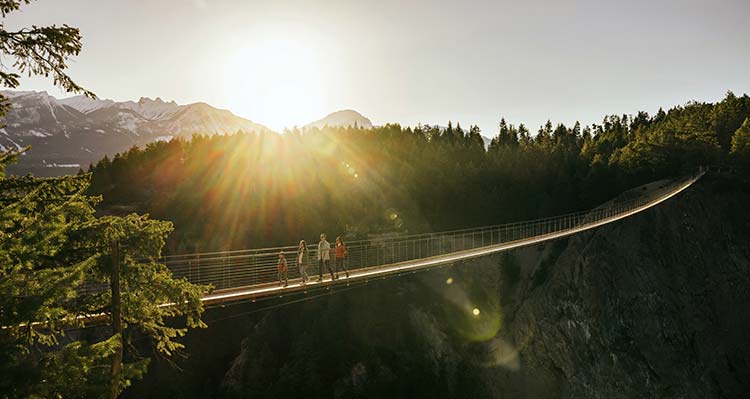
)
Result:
{"points": [[55, 256], [37, 50], [641, 121], [37, 283], [523, 135], [660, 116], [53, 250], [741, 143], [727, 116], [507, 135], [475, 138], [543, 138]]}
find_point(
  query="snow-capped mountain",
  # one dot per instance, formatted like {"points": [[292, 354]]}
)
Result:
{"points": [[83, 104], [75, 131], [341, 118]]}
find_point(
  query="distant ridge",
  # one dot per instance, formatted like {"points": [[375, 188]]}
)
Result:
{"points": [[343, 118]]}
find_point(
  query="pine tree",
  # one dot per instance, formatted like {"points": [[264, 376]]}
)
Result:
{"points": [[523, 135], [54, 253], [39, 50], [543, 138], [507, 135], [741, 143], [37, 283], [55, 257], [475, 138]]}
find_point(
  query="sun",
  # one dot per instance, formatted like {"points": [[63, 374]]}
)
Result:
{"points": [[275, 80]]}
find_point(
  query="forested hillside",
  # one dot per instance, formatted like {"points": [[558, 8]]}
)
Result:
{"points": [[252, 190]]}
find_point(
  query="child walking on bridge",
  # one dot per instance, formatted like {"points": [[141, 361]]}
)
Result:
{"points": [[283, 270]]}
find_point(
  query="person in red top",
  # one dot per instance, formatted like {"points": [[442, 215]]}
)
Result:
{"points": [[340, 253]]}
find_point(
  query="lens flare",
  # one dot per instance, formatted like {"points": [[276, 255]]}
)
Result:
{"points": [[470, 309]]}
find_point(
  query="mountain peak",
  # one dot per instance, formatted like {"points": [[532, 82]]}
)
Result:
{"points": [[27, 93], [342, 118], [85, 104], [148, 100]]}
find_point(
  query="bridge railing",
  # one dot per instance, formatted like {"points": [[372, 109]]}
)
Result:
{"points": [[233, 269]]}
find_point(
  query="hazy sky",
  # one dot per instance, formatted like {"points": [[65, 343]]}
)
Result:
{"points": [[283, 63]]}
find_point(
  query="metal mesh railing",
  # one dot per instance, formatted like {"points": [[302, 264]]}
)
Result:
{"points": [[234, 269]]}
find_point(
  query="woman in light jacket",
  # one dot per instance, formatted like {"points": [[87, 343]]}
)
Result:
{"points": [[301, 255], [324, 257]]}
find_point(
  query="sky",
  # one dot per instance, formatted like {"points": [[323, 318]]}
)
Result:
{"points": [[284, 63]]}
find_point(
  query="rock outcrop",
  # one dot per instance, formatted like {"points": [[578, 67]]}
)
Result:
{"points": [[657, 305]]}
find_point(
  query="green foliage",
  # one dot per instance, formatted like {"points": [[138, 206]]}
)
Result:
{"points": [[79, 370], [741, 142], [145, 283], [37, 280], [38, 50], [51, 247], [671, 142], [727, 115]]}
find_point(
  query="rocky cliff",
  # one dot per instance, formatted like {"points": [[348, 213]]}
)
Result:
{"points": [[656, 305]]}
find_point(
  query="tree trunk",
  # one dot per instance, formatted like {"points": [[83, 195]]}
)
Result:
{"points": [[116, 321]]}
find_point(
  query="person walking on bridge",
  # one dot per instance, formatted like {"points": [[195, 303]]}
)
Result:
{"points": [[340, 253], [324, 257], [283, 270], [301, 255]]}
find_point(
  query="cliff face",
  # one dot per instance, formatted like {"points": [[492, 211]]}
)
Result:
{"points": [[656, 305]]}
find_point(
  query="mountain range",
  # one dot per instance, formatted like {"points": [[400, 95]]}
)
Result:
{"points": [[65, 134], [70, 133]]}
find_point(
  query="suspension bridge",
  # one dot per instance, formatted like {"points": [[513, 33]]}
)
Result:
{"points": [[252, 274]]}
